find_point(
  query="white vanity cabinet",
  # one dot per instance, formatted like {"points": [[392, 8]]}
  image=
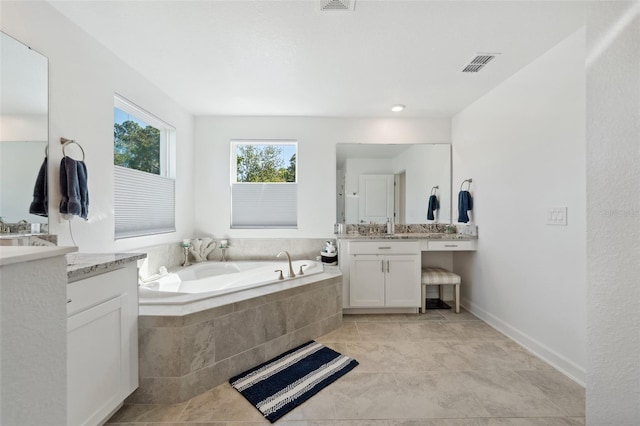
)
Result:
{"points": [[102, 344], [384, 274]]}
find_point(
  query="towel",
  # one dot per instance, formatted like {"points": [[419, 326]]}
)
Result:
{"points": [[73, 188], [434, 205], [465, 203], [39, 205]]}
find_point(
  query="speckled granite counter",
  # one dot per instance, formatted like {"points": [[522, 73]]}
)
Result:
{"points": [[412, 236], [84, 265]]}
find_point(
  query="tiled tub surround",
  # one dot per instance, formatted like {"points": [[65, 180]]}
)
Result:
{"points": [[185, 350]]}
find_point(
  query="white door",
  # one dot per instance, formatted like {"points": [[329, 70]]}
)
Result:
{"points": [[376, 198], [366, 286], [402, 287]]}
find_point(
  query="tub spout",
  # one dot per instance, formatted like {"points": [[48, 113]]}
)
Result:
{"points": [[291, 273]]}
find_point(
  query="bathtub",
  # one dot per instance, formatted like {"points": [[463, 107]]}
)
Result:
{"points": [[208, 280]]}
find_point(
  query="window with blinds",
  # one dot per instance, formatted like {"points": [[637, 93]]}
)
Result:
{"points": [[264, 188], [144, 184]]}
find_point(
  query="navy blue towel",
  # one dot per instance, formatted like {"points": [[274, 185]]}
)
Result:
{"points": [[465, 203], [39, 205], [434, 205], [73, 188]]}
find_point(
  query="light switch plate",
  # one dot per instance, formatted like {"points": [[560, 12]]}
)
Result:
{"points": [[557, 216]]}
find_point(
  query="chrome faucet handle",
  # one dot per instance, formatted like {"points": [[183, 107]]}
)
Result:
{"points": [[301, 272], [281, 277]]}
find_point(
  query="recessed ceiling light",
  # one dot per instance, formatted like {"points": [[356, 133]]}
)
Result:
{"points": [[397, 108]]}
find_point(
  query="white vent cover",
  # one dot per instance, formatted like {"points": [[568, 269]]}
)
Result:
{"points": [[479, 61], [337, 5]]}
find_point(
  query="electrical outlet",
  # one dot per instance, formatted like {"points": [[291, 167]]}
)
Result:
{"points": [[557, 216]]}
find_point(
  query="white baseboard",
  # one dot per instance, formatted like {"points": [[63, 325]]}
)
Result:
{"points": [[559, 362]]}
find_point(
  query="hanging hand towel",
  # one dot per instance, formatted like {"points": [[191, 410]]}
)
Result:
{"points": [[434, 205], [465, 203], [39, 205], [73, 188]]}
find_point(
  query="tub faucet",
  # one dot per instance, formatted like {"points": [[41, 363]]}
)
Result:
{"points": [[291, 273]]}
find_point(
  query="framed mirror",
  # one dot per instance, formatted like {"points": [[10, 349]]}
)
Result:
{"points": [[24, 135], [376, 182]]}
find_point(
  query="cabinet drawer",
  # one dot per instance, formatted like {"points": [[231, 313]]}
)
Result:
{"points": [[384, 247], [94, 290], [451, 245]]}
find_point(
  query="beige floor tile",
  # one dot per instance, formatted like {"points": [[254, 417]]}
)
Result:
{"points": [[221, 404], [521, 356], [504, 393], [483, 355], [472, 330], [347, 333], [368, 396], [564, 392], [382, 331], [405, 356], [142, 413], [437, 395], [428, 330]]}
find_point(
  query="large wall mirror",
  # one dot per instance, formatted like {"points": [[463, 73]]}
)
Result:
{"points": [[376, 182], [23, 136]]}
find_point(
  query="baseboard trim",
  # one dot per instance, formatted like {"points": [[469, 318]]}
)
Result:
{"points": [[559, 362]]}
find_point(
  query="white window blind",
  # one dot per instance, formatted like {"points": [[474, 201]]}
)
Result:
{"points": [[144, 203], [264, 205]]}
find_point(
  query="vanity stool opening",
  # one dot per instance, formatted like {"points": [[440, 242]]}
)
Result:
{"points": [[440, 277]]}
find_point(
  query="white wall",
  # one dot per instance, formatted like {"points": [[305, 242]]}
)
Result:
{"points": [[613, 213], [523, 144], [83, 78], [316, 138], [23, 127], [353, 168]]}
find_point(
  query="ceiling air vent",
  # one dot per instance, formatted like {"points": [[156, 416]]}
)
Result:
{"points": [[479, 62], [337, 5]]}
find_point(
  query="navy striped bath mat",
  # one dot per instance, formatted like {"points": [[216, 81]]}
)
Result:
{"points": [[281, 384]]}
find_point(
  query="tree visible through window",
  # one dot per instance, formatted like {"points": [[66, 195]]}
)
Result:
{"points": [[136, 144], [264, 188], [265, 163]]}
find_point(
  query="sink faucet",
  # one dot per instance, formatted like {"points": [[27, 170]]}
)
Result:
{"points": [[291, 274]]}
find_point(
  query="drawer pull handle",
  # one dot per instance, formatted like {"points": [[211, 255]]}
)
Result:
{"points": [[382, 266], [451, 245], [68, 300], [384, 248]]}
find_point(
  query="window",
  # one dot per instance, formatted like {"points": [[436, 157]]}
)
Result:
{"points": [[264, 189], [144, 185]]}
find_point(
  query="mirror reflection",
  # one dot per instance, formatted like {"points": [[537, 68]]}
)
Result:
{"points": [[377, 182], [23, 137]]}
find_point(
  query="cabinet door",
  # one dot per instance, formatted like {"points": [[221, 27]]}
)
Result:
{"points": [[402, 284], [96, 350], [366, 286]]}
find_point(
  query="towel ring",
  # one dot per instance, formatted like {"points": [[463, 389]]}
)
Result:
{"points": [[468, 181], [433, 190], [66, 142]]}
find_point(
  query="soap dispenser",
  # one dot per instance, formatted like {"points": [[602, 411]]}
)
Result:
{"points": [[389, 226]]}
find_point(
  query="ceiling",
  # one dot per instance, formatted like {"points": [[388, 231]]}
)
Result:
{"points": [[274, 57]]}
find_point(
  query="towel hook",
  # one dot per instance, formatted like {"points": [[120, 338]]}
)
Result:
{"points": [[65, 142], [468, 181]]}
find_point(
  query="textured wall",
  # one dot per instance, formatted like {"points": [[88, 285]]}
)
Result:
{"points": [[613, 213], [33, 343]]}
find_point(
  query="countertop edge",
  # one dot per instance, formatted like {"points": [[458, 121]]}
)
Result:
{"points": [[84, 265], [18, 254]]}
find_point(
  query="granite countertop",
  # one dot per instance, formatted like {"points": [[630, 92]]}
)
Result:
{"points": [[84, 265], [407, 236]]}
